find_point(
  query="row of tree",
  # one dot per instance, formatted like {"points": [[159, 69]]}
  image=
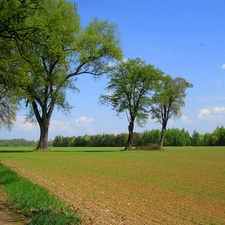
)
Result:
{"points": [[173, 137], [17, 142], [100, 140], [44, 49], [140, 89]]}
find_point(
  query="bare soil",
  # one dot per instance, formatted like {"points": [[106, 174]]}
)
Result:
{"points": [[8, 214], [115, 208], [166, 188]]}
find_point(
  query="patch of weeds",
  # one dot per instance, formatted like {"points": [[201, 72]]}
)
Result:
{"points": [[148, 147], [36, 203], [47, 217]]}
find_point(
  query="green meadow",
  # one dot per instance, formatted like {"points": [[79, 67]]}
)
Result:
{"points": [[181, 185]]}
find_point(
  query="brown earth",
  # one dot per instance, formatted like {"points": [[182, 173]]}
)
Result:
{"points": [[115, 208], [166, 189], [8, 214]]}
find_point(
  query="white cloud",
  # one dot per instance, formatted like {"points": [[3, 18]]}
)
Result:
{"points": [[56, 125], [219, 109], [223, 66], [84, 121], [186, 119], [203, 113], [24, 125]]}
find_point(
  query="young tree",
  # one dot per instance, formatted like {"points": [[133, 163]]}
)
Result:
{"points": [[130, 87], [218, 136], [168, 100], [187, 137], [195, 139], [56, 52], [207, 140], [150, 136]]}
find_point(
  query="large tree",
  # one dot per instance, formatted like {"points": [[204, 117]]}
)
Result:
{"points": [[55, 53], [168, 101], [131, 84], [13, 15]]}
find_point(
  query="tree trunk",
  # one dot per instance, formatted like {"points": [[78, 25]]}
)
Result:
{"points": [[43, 141], [130, 135], [43, 122], [163, 133]]}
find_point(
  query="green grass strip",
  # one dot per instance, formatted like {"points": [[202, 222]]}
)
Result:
{"points": [[36, 203]]}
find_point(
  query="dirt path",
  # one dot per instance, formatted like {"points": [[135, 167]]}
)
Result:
{"points": [[8, 216]]}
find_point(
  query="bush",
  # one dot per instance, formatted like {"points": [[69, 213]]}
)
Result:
{"points": [[149, 147]]}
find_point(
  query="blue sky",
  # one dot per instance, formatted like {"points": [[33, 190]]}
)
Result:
{"points": [[182, 38]]}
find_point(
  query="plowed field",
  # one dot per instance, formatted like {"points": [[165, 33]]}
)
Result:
{"points": [[109, 186]]}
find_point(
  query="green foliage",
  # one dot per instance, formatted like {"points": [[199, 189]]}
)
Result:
{"points": [[218, 136], [98, 44], [13, 28], [206, 140], [100, 140], [35, 202], [168, 100], [49, 49], [17, 142], [130, 86], [173, 137], [152, 136], [7, 108], [195, 139]]}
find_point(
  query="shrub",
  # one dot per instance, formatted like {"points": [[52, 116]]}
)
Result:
{"points": [[149, 147]]}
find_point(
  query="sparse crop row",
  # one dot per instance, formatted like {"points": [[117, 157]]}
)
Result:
{"points": [[177, 186]]}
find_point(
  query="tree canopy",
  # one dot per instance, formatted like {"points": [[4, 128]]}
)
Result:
{"points": [[168, 101], [130, 86], [51, 49]]}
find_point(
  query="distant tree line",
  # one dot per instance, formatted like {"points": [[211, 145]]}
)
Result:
{"points": [[174, 137], [17, 142], [100, 140]]}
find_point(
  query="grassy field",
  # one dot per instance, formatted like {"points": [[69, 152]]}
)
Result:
{"points": [[183, 185]]}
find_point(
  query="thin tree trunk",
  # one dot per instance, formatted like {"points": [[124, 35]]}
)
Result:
{"points": [[163, 133], [130, 136]]}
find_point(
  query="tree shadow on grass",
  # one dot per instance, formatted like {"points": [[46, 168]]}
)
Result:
{"points": [[16, 151], [60, 151], [87, 151]]}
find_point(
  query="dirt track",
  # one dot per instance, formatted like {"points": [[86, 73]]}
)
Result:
{"points": [[8, 216]]}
